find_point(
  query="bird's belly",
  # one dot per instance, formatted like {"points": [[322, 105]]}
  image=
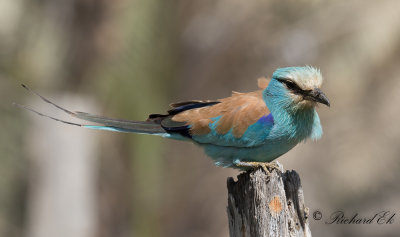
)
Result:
{"points": [[226, 156]]}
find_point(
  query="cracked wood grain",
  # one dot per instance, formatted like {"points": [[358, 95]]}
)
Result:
{"points": [[261, 205]]}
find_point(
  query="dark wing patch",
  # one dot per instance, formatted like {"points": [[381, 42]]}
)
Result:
{"points": [[156, 118], [175, 127], [171, 126], [183, 106], [188, 102]]}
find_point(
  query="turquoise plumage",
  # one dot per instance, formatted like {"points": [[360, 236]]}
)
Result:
{"points": [[239, 131]]}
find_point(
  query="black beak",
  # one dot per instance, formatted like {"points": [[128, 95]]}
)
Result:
{"points": [[318, 96]]}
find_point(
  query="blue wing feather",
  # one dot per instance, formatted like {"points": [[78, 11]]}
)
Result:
{"points": [[254, 135]]}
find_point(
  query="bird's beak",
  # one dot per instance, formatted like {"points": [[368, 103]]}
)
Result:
{"points": [[318, 96]]}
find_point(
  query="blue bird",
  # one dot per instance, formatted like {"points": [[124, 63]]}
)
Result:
{"points": [[242, 131]]}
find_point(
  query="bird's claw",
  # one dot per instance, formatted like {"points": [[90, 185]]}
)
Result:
{"points": [[266, 166]]}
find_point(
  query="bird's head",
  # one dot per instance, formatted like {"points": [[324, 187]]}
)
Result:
{"points": [[300, 85]]}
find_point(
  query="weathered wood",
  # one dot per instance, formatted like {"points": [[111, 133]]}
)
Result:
{"points": [[261, 204]]}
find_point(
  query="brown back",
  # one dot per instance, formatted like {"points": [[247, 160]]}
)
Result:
{"points": [[237, 112]]}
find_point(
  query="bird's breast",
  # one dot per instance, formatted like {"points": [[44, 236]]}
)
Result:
{"points": [[295, 125]]}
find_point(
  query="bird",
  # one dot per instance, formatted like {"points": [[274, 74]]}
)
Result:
{"points": [[243, 131]]}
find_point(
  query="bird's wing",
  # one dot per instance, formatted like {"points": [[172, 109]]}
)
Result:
{"points": [[233, 115]]}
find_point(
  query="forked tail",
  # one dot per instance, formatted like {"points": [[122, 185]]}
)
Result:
{"points": [[110, 124]]}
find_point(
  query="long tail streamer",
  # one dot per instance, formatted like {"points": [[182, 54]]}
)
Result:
{"points": [[111, 124]]}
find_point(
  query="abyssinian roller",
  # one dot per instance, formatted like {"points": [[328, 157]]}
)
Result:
{"points": [[241, 131]]}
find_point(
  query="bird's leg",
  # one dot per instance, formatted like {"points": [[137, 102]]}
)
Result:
{"points": [[266, 166]]}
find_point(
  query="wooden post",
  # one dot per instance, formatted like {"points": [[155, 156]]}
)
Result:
{"points": [[261, 204]]}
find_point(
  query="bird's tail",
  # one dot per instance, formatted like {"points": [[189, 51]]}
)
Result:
{"points": [[110, 124]]}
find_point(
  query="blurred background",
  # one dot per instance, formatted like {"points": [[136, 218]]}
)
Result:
{"points": [[127, 59]]}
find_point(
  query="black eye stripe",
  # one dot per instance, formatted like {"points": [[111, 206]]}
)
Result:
{"points": [[290, 84]]}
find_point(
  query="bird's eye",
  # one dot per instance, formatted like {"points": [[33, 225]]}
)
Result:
{"points": [[290, 85]]}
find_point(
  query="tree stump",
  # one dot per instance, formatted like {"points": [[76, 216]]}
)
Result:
{"points": [[261, 204]]}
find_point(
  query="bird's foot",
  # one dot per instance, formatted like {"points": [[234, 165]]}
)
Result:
{"points": [[266, 166]]}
